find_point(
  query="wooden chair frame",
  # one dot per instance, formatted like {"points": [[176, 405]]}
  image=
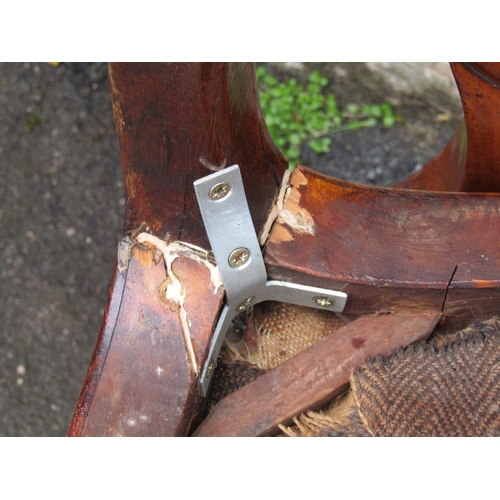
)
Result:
{"points": [[421, 254]]}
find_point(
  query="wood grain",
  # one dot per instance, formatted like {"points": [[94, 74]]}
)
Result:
{"points": [[390, 250], [479, 88], [177, 122], [313, 377], [100, 352], [141, 382]]}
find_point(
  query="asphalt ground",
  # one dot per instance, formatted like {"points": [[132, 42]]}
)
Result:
{"points": [[62, 204]]}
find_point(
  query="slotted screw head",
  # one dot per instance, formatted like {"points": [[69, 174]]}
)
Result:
{"points": [[239, 257], [243, 306], [324, 301], [220, 191]]}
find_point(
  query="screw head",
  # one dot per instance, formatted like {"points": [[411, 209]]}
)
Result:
{"points": [[323, 301], [220, 191], [243, 306], [210, 368], [239, 257]]}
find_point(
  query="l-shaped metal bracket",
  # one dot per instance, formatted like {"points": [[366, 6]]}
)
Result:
{"points": [[227, 219]]}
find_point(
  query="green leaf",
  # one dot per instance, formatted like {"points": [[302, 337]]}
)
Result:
{"points": [[331, 106], [352, 109], [320, 145], [386, 108], [376, 111], [388, 120], [293, 153], [298, 112], [316, 78]]}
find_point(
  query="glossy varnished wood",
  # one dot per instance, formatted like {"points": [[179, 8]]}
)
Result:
{"points": [[389, 249], [313, 377], [100, 352], [177, 122], [141, 382], [479, 87], [471, 161]]}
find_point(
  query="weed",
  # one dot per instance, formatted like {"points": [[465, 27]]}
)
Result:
{"points": [[296, 114], [32, 122]]}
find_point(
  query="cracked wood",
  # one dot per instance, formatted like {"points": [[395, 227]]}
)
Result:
{"points": [[141, 381], [390, 249], [177, 122]]}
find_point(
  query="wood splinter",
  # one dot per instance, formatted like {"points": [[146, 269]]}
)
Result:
{"points": [[175, 292], [142, 379]]}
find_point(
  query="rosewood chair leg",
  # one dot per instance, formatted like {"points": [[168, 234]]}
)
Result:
{"points": [[175, 124]]}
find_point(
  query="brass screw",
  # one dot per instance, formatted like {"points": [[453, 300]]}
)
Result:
{"points": [[220, 191], [243, 306], [210, 368], [324, 301], [239, 257]]}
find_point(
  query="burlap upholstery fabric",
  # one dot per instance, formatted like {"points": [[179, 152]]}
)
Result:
{"points": [[230, 376], [278, 331], [447, 386], [339, 419], [275, 332]]}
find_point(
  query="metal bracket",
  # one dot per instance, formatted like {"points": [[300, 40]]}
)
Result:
{"points": [[232, 236]]}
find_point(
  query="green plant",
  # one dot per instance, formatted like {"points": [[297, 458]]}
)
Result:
{"points": [[32, 122], [296, 114]]}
